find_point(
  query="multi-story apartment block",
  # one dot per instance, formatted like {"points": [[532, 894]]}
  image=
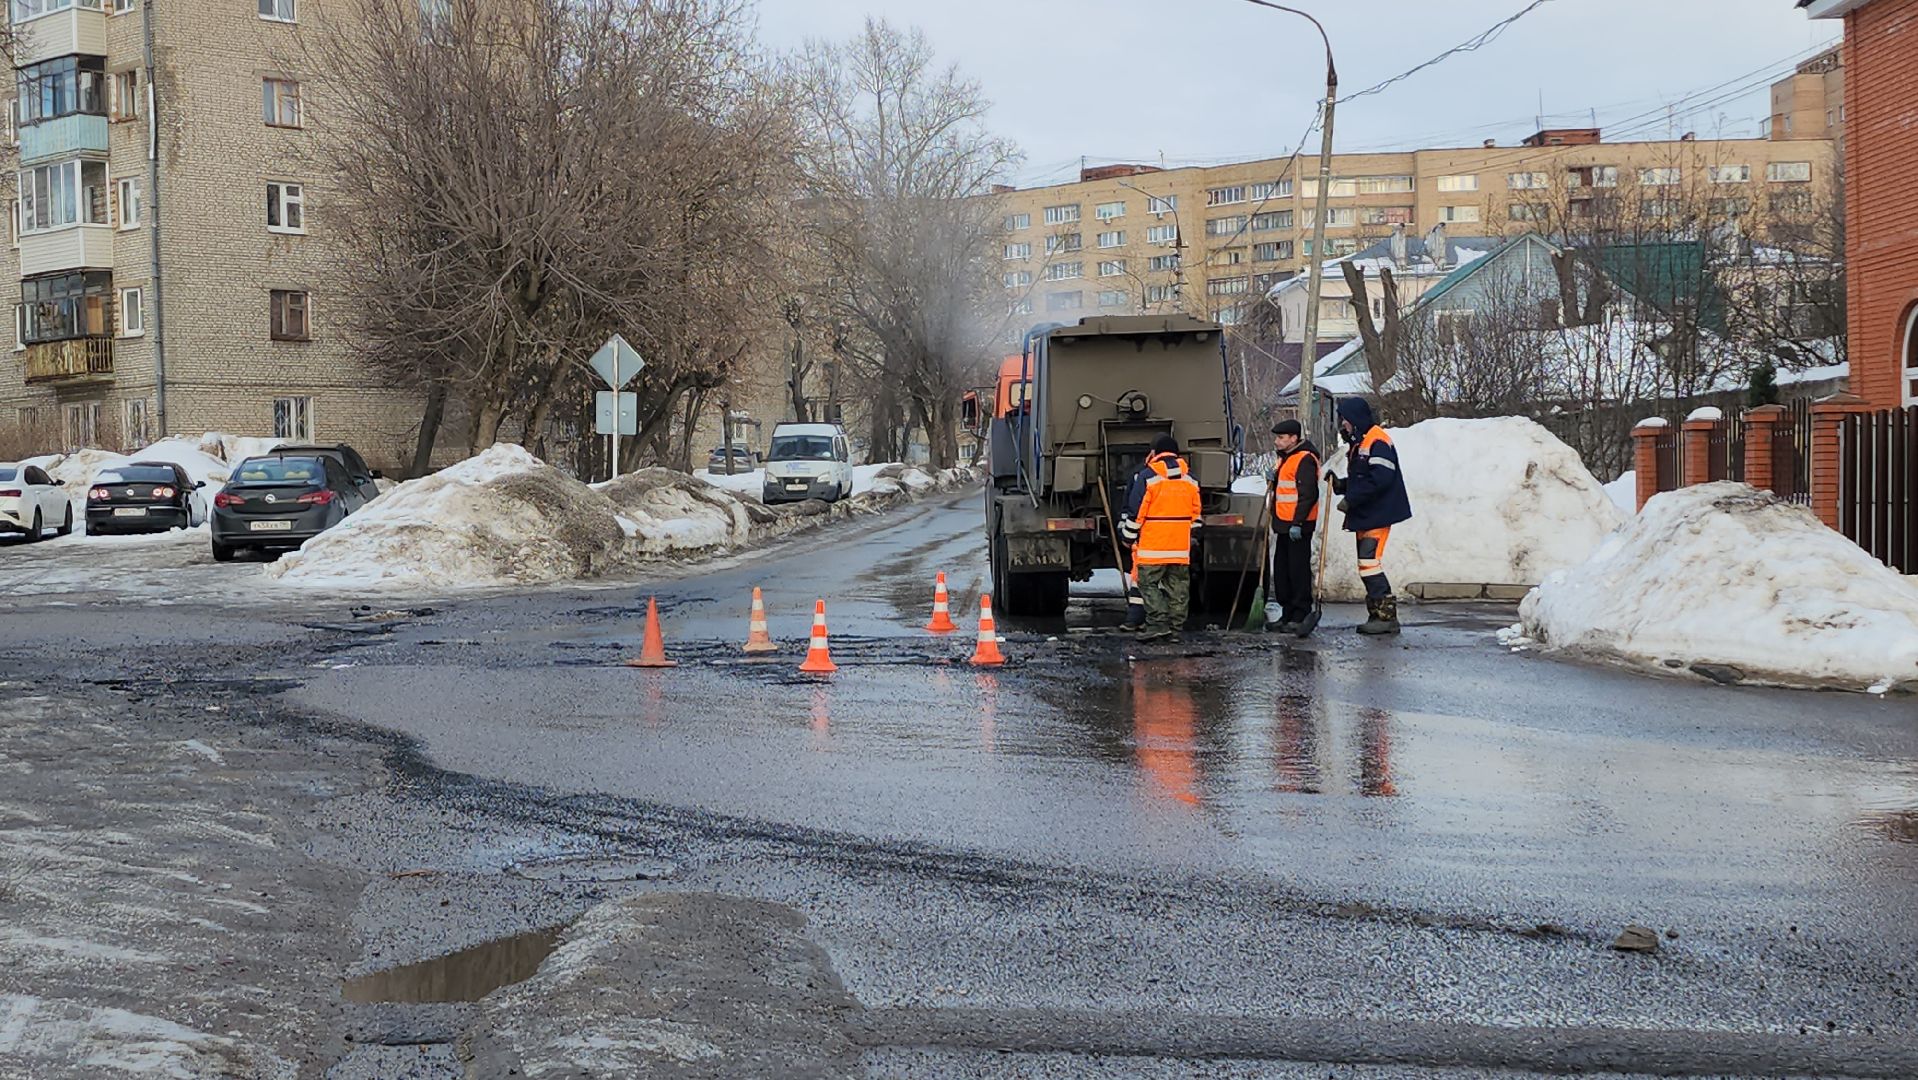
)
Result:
{"points": [[1810, 102], [1202, 240], [170, 268]]}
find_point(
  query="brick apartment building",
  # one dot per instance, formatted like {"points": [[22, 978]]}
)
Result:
{"points": [[170, 270], [1881, 216]]}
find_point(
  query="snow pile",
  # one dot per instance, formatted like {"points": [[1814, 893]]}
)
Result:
{"points": [[503, 517], [81, 468], [1624, 492], [1495, 502], [234, 449], [1727, 576], [667, 512]]}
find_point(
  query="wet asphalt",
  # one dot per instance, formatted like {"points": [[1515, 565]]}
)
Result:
{"points": [[1410, 852]]}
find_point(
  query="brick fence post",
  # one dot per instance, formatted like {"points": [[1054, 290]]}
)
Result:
{"points": [[1827, 416], [1759, 425], [1695, 450], [1645, 456]]}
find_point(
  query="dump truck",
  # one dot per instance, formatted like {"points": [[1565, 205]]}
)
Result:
{"points": [[1073, 417]]}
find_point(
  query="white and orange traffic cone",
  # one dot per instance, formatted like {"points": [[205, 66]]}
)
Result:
{"points": [[941, 608], [653, 652], [987, 653], [818, 656], [758, 638]]}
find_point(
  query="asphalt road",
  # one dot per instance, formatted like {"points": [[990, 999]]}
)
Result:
{"points": [[1407, 855]]}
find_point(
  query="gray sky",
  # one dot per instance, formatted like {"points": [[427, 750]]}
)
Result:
{"points": [[1224, 80]]}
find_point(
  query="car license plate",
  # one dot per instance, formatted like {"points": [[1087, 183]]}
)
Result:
{"points": [[795, 485], [129, 511], [270, 526]]}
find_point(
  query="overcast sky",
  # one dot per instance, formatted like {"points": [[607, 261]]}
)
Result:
{"points": [[1201, 81]]}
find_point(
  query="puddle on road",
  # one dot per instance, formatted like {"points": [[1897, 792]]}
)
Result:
{"points": [[467, 975], [1898, 826]]}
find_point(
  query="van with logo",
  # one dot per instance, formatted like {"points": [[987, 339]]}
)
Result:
{"points": [[807, 461]]}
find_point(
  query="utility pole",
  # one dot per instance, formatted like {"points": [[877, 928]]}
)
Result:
{"points": [[1315, 267]]}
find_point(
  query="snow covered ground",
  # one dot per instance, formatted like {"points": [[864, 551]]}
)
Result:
{"points": [[753, 482], [204, 459], [1624, 492], [1722, 574], [1499, 502]]}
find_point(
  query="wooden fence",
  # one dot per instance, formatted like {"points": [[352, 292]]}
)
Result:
{"points": [[1878, 465]]}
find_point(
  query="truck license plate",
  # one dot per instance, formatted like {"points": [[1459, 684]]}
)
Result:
{"points": [[270, 526], [129, 511]]}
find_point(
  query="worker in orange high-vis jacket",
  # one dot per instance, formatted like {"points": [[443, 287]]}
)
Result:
{"points": [[1295, 516], [1162, 506], [1374, 500]]}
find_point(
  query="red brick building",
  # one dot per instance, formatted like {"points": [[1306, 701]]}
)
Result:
{"points": [[1881, 193]]}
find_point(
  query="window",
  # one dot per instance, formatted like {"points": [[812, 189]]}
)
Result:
{"points": [[133, 422], [1661, 207], [1911, 360], [293, 419], [1232, 286], [280, 100], [1454, 326], [1331, 310], [1385, 215], [1162, 263], [1795, 203], [121, 7], [1458, 213], [1015, 222], [1384, 185], [1519, 211], [1458, 183], [33, 9], [1157, 205], [1065, 301], [1592, 176], [1335, 216], [1065, 271], [130, 205], [1112, 268], [1272, 219], [62, 194], [65, 87], [1526, 181], [133, 313], [1659, 177], [1109, 211], [1277, 189], [1231, 258], [289, 315], [1788, 172], [285, 208], [1067, 242], [20, 334], [1225, 226], [1340, 189], [1020, 307], [1062, 215], [1228, 316], [1272, 252], [279, 10], [1334, 246], [83, 424], [1731, 174], [1018, 279], [1162, 234], [1112, 239], [123, 95], [1111, 298], [1018, 251], [1732, 206], [1161, 294], [1224, 196]]}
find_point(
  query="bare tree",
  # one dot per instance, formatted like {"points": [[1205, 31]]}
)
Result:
{"points": [[899, 169]]}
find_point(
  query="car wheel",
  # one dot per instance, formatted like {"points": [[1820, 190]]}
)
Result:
{"points": [[223, 552], [38, 531], [66, 527]]}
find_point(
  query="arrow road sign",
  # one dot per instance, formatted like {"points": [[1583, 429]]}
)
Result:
{"points": [[617, 362], [603, 413]]}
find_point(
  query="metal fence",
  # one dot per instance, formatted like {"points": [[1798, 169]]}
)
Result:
{"points": [[1877, 467]]}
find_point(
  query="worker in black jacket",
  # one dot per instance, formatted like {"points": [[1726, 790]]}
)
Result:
{"points": [[1295, 516], [1374, 500]]}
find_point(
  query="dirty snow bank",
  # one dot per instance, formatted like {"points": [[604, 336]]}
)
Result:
{"points": [[502, 517], [1725, 575], [1496, 502], [672, 512]]}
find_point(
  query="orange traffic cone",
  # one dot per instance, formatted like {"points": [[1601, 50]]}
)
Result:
{"points": [[818, 657], [758, 640], [941, 608], [987, 654], [653, 653]]}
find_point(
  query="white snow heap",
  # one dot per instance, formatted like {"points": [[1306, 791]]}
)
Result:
{"points": [[1624, 492], [1652, 421], [670, 512], [1707, 413], [1497, 502], [1725, 574], [501, 517]]}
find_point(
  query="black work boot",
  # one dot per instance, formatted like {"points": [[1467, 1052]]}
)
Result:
{"points": [[1384, 613]]}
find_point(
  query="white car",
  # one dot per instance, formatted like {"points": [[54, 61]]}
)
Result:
{"points": [[32, 502]]}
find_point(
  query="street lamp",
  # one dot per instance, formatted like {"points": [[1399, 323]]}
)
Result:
{"points": [[1308, 358]]}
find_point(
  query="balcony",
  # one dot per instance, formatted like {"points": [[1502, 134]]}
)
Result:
{"points": [[74, 358], [75, 247], [65, 136], [78, 30]]}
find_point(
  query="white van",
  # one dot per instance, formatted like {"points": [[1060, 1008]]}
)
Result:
{"points": [[807, 461]]}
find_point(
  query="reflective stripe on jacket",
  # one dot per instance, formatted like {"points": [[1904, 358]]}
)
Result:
{"points": [[1374, 489], [1295, 486], [1167, 512]]}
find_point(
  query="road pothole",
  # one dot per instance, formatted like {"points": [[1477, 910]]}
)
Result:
{"points": [[594, 868], [467, 975]]}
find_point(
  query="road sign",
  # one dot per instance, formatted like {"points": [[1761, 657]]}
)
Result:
{"points": [[617, 362], [603, 413]]}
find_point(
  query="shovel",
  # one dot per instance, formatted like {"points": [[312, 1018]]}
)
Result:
{"points": [[1311, 620]]}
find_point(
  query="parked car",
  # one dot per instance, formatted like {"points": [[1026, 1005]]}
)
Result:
{"points": [[280, 500], [807, 461], [146, 496], [744, 460], [349, 459], [30, 500]]}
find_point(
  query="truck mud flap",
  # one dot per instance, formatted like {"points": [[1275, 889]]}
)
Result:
{"points": [[1230, 549], [1039, 552]]}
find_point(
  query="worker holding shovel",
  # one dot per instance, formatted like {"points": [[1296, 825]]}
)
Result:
{"points": [[1295, 516]]}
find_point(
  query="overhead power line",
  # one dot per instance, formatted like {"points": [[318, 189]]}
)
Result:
{"points": [[1473, 44]]}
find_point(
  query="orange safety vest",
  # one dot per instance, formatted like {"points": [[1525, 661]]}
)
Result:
{"points": [[1166, 514], [1285, 489]]}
